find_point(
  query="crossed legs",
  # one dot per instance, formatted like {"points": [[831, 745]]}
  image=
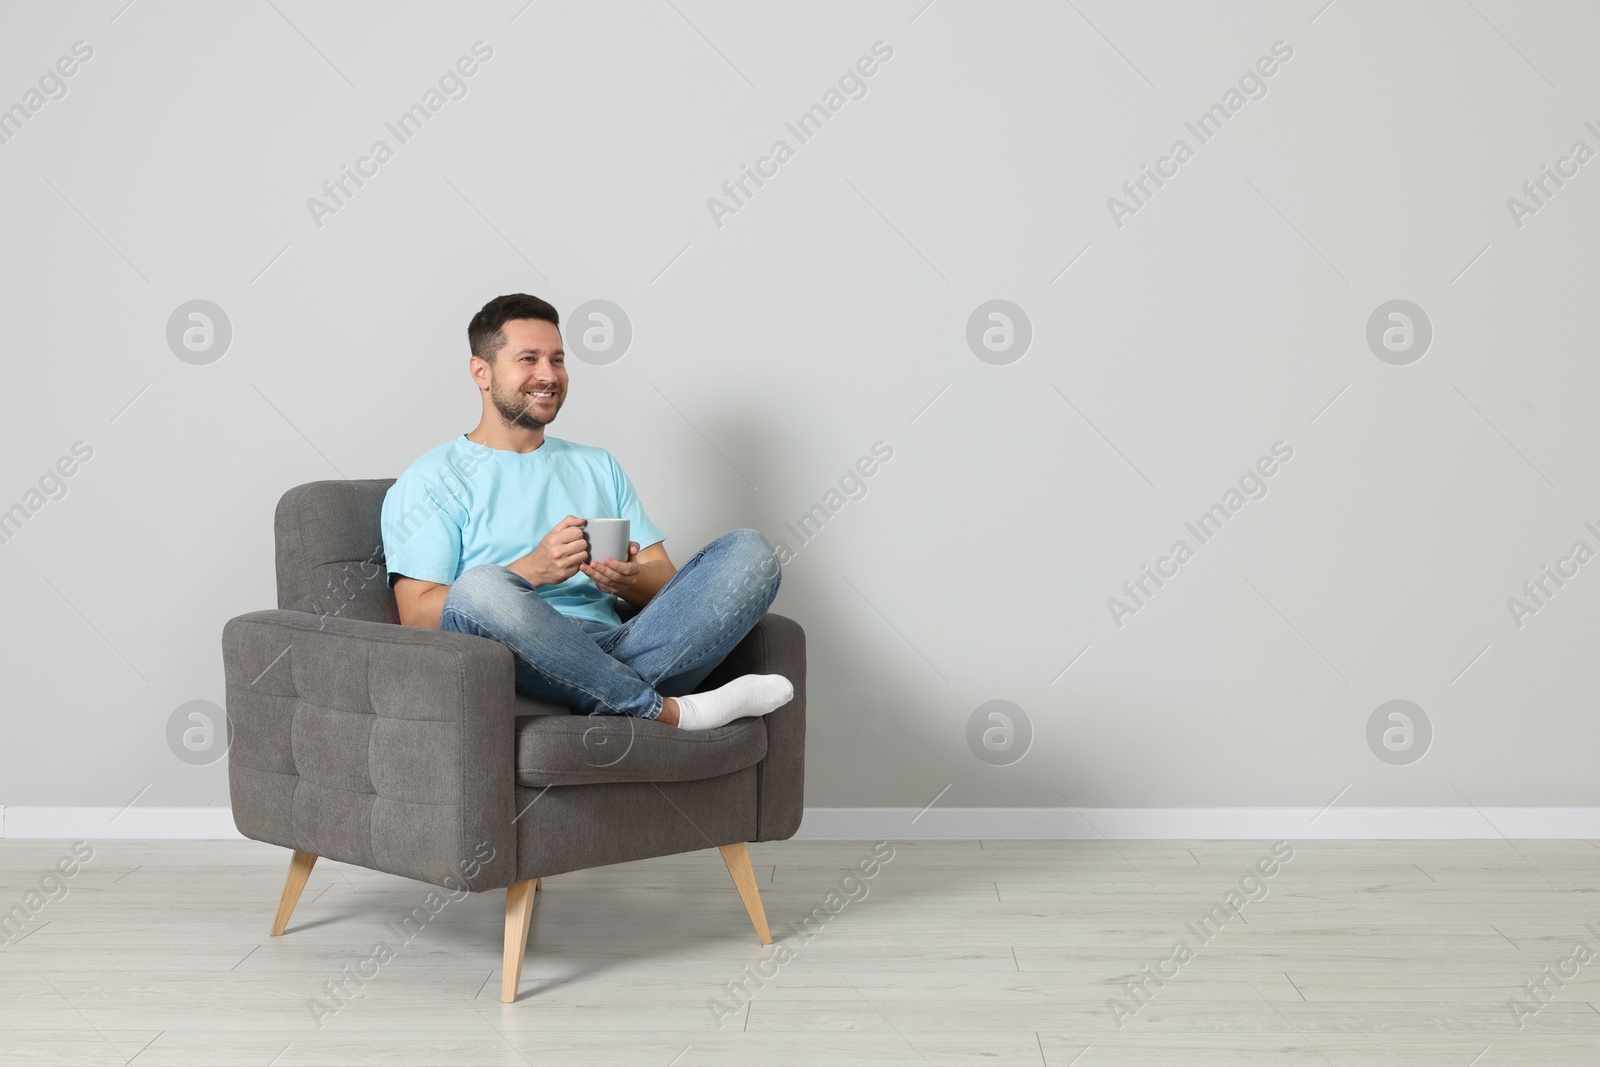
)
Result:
{"points": [[664, 651]]}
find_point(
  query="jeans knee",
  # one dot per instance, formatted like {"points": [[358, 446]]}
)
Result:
{"points": [[756, 558], [756, 552], [477, 585]]}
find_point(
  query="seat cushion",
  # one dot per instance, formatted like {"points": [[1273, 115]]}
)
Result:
{"points": [[557, 747]]}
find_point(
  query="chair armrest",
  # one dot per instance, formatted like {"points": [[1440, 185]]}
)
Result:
{"points": [[776, 644], [386, 746]]}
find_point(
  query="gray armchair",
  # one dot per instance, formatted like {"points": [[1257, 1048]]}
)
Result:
{"points": [[410, 751]]}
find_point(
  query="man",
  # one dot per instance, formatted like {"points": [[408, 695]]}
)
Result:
{"points": [[461, 540]]}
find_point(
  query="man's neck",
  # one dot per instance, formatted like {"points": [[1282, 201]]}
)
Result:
{"points": [[507, 440]]}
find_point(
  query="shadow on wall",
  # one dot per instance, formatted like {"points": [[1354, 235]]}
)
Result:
{"points": [[858, 728]]}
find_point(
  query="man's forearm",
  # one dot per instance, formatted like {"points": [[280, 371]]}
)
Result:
{"points": [[652, 576]]}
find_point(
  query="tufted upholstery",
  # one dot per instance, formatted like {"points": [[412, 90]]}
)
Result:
{"points": [[384, 746], [330, 550]]}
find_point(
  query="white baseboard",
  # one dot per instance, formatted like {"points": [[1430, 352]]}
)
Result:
{"points": [[107, 824], [946, 824], [1204, 824]]}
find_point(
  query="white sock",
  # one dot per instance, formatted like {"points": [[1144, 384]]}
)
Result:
{"points": [[746, 695]]}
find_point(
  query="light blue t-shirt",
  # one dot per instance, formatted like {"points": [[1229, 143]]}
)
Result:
{"points": [[463, 504]]}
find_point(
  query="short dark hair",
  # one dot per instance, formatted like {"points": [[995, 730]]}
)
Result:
{"points": [[485, 333]]}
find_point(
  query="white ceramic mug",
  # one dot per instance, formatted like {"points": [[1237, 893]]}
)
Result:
{"points": [[607, 538]]}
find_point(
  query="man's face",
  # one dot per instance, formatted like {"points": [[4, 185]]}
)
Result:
{"points": [[531, 362]]}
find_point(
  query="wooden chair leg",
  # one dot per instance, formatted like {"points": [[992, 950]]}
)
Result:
{"points": [[299, 871], [737, 857], [519, 914]]}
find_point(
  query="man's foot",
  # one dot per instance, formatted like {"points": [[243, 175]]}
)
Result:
{"points": [[747, 695]]}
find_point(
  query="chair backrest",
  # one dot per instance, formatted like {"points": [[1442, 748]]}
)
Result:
{"points": [[330, 550]]}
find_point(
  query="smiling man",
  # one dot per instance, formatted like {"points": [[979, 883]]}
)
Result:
{"points": [[484, 535]]}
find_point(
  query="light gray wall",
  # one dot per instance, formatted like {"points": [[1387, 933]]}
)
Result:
{"points": [[1171, 348]]}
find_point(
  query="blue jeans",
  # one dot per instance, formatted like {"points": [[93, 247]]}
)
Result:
{"points": [[667, 649]]}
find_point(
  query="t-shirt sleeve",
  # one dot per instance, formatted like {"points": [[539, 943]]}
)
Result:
{"points": [[640, 528], [421, 531]]}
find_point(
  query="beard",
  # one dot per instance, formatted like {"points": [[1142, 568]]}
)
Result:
{"points": [[517, 410]]}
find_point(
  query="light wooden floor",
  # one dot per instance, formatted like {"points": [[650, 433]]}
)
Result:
{"points": [[1363, 953]]}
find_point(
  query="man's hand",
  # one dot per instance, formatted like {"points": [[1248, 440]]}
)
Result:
{"points": [[612, 576], [558, 556]]}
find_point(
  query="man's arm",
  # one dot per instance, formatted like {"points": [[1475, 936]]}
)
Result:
{"points": [[420, 603], [655, 571]]}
